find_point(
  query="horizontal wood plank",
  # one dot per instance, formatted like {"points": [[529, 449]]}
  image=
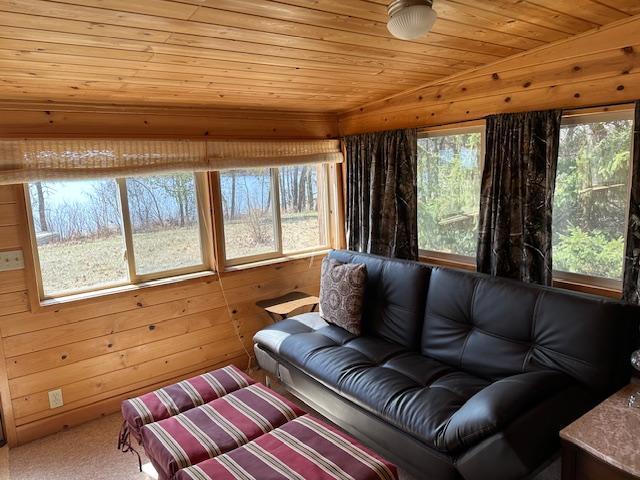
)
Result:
{"points": [[596, 68], [9, 238], [326, 42], [12, 281], [97, 407]]}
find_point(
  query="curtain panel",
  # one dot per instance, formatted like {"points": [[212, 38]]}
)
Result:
{"points": [[26, 160], [518, 181], [631, 282], [381, 205]]}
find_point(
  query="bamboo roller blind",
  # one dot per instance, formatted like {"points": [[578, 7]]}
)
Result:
{"points": [[27, 160]]}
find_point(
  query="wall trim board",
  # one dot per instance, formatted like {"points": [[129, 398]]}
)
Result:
{"points": [[598, 67], [93, 120]]}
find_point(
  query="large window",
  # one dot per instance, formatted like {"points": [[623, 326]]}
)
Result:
{"points": [[591, 195], [269, 213], [449, 173], [103, 233]]}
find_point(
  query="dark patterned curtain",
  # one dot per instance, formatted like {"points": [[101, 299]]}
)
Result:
{"points": [[631, 283], [514, 233], [382, 214]]}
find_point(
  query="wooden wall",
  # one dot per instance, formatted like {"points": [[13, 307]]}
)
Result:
{"points": [[595, 68], [37, 119], [103, 350]]}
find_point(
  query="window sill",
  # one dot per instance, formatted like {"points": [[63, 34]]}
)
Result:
{"points": [[276, 260], [592, 289], [446, 260], [52, 303]]}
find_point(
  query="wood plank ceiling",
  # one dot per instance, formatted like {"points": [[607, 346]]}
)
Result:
{"points": [[305, 55]]}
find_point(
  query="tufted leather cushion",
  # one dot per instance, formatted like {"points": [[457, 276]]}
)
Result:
{"points": [[394, 298], [444, 407], [496, 328]]}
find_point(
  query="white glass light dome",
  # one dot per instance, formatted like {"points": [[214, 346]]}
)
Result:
{"points": [[410, 19]]}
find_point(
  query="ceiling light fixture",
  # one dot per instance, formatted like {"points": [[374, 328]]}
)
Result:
{"points": [[410, 19]]}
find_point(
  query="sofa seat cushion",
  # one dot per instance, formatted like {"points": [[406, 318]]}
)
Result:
{"points": [[445, 408]]}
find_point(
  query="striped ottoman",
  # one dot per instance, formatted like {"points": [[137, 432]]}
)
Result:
{"points": [[215, 428], [302, 449], [180, 397], [224, 425]]}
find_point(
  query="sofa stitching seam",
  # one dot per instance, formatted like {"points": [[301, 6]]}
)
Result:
{"points": [[569, 357], [531, 332], [466, 340]]}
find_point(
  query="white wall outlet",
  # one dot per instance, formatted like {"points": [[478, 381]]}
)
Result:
{"points": [[55, 398], [12, 260]]}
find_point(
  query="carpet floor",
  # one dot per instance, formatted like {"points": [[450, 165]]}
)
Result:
{"points": [[88, 452]]}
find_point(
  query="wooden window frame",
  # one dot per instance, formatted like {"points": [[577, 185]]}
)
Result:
{"points": [[447, 258], [135, 279], [565, 280], [576, 117], [325, 179]]}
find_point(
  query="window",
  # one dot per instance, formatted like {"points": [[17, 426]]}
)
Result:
{"points": [[103, 233], [302, 216], [591, 195], [164, 222], [268, 213], [449, 175]]}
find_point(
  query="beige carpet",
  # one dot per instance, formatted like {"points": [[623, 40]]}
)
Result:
{"points": [[88, 452], [4, 463]]}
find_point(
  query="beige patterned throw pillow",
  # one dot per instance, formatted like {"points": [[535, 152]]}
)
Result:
{"points": [[341, 294]]}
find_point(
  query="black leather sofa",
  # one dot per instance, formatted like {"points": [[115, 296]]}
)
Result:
{"points": [[457, 374]]}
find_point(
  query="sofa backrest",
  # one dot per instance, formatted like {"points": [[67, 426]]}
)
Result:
{"points": [[395, 296], [495, 327]]}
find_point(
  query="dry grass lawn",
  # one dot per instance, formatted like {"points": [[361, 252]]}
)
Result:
{"points": [[95, 262]]}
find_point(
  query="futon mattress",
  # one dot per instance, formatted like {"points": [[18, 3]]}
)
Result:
{"points": [[304, 448], [215, 428], [182, 396], [224, 425]]}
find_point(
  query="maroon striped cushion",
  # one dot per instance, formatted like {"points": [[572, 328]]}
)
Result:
{"points": [[215, 428], [182, 396], [302, 449]]}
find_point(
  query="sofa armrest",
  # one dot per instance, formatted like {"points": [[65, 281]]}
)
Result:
{"points": [[495, 406]]}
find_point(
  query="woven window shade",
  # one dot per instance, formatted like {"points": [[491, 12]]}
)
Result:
{"points": [[226, 155], [31, 160]]}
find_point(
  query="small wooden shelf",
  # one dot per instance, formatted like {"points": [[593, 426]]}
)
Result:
{"points": [[280, 308]]}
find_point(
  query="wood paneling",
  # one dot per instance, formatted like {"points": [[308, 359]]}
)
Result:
{"points": [[595, 68], [102, 350], [18, 119], [321, 55]]}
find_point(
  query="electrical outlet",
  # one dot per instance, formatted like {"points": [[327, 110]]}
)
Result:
{"points": [[55, 398], [11, 260]]}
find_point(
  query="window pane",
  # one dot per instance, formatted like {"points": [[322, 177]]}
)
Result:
{"points": [[248, 212], [164, 222], [449, 192], [590, 203], [78, 235], [301, 208]]}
